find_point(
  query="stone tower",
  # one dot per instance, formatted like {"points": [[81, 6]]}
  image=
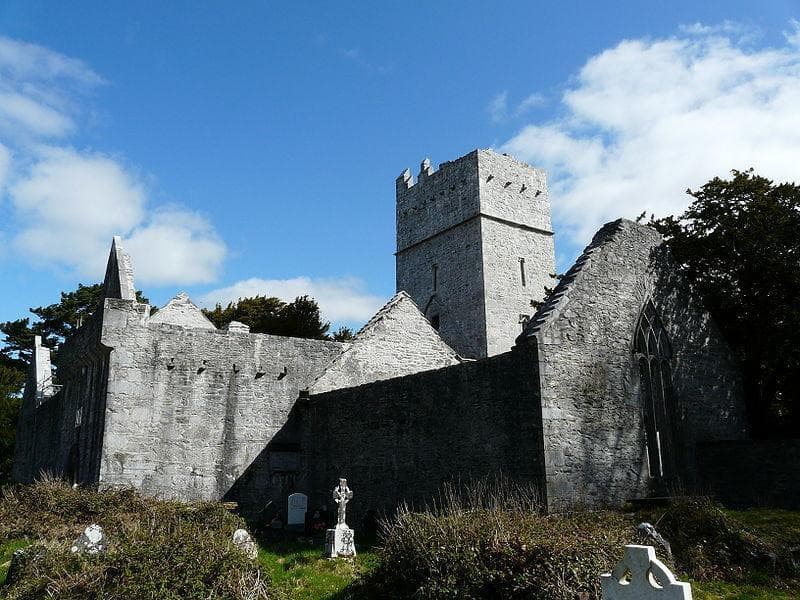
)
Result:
{"points": [[475, 248]]}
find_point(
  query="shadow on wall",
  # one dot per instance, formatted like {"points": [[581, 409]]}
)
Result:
{"points": [[261, 491]]}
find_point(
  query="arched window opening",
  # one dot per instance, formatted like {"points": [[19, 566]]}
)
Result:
{"points": [[653, 353]]}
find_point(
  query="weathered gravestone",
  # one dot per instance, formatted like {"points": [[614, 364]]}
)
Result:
{"points": [[296, 515], [340, 541], [245, 543], [641, 576], [91, 541]]}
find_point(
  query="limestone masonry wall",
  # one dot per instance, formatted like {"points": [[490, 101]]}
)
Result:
{"points": [[592, 411], [189, 410], [400, 439], [397, 341], [62, 434], [458, 295], [482, 223]]}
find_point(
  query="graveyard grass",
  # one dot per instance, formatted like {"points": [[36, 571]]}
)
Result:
{"points": [[47, 516]]}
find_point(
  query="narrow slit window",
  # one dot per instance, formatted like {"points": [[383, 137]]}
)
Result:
{"points": [[522, 271], [435, 275], [435, 322]]}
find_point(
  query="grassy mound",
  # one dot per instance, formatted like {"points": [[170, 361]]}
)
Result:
{"points": [[497, 544], [157, 549]]}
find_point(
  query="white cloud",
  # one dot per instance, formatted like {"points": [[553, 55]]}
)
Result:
{"points": [[793, 36], [340, 299], [176, 246], [68, 203], [648, 118], [532, 101], [498, 107]]}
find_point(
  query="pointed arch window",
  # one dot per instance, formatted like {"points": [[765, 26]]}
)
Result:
{"points": [[653, 352]]}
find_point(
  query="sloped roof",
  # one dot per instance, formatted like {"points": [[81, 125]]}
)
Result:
{"points": [[182, 311], [397, 341], [552, 306]]}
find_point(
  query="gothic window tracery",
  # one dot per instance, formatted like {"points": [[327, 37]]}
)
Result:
{"points": [[653, 352]]}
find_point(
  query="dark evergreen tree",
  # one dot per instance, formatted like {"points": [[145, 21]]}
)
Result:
{"points": [[739, 246]]}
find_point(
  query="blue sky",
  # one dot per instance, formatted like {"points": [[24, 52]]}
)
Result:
{"points": [[252, 147]]}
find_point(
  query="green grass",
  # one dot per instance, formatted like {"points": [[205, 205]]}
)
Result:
{"points": [[6, 550], [298, 571], [723, 590], [778, 526]]}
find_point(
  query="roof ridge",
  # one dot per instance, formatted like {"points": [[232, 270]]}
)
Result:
{"points": [[542, 316]]}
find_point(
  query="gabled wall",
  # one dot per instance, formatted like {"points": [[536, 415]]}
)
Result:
{"points": [[592, 414], [397, 341], [400, 439]]}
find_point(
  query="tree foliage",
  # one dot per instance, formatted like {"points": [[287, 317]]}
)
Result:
{"points": [[265, 314], [11, 381], [54, 323], [738, 243]]}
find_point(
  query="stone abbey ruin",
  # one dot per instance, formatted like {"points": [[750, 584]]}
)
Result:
{"points": [[612, 389]]}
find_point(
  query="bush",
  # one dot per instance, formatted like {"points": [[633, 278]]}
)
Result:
{"points": [[494, 542], [157, 549], [710, 545]]}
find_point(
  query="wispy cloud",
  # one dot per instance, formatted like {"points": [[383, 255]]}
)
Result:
{"points": [[340, 299], [63, 204], [499, 109], [646, 119]]}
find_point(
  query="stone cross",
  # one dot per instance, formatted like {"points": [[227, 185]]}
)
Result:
{"points": [[641, 576], [342, 495]]}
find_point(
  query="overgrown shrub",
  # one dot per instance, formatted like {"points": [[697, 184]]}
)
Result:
{"points": [[494, 542], [710, 545], [157, 549]]}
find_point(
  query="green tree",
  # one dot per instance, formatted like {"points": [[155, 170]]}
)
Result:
{"points": [[738, 243], [12, 378], [266, 314], [54, 323], [343, 334]]}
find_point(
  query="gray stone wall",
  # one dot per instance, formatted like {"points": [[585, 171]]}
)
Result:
{"points": [[474, 219], [515, 225], [594, 436], [458, 299], [397, 341], [401, 439], [189, 411], [63, 434]]}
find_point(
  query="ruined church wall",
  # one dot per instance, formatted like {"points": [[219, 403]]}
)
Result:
{"points": [[62, 434], [401, 439], [190, 412], [593, 420]]}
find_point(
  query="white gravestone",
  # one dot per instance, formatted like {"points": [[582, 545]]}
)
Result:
{"points": [[91, 541], [296, 515], [641, 576], [340, 541]]}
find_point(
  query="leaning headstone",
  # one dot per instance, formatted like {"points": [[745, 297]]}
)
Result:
{"points": [[91, 541], [296, 514], [641, 576], [245, 543], [340, 541], [15, 566], [648, 533]]}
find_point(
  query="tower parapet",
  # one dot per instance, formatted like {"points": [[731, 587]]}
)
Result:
{"points": [[475, 247]]}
